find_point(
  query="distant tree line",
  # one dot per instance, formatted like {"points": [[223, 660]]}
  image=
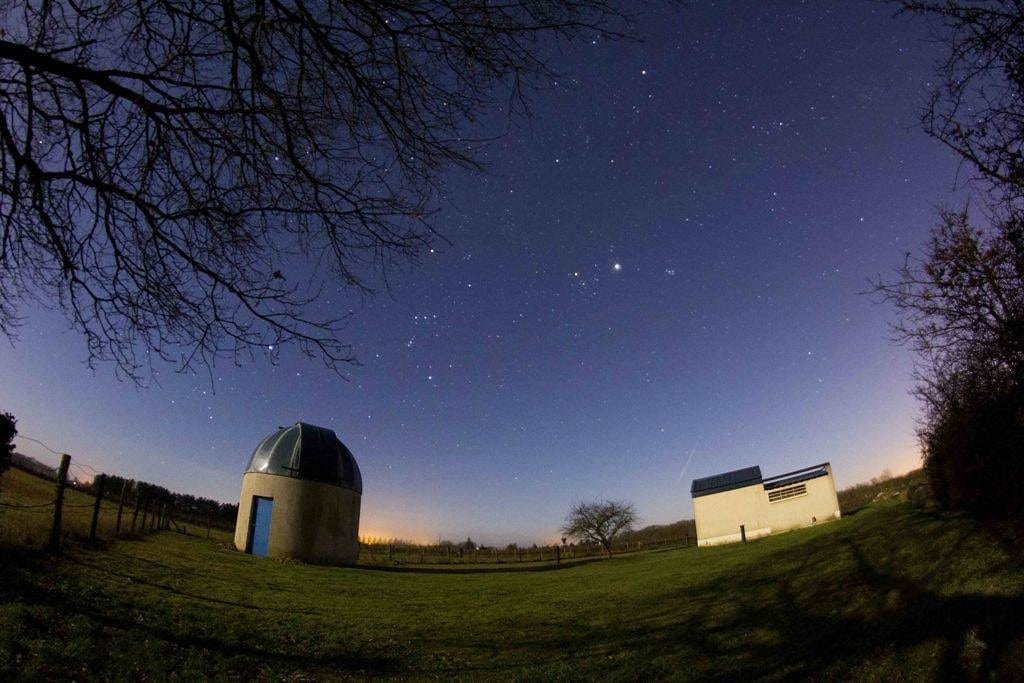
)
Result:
{"points": [[661, 533], [961, 301], [185, 507]]}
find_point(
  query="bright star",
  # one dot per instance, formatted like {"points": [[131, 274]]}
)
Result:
{"points": [[617, 267]]}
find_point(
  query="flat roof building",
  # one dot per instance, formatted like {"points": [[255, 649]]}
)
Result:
{"points": [[742, 505]]}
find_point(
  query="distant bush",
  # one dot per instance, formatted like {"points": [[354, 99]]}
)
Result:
{"points": [[974, 448], [910, 486]]}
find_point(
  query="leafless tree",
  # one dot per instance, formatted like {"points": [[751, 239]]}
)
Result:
{"points": [[962, 301], [599, 522], [977, 107], [961, 309], [193, 180]]}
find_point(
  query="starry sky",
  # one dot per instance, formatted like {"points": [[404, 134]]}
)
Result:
{"points": [[660, 277]]}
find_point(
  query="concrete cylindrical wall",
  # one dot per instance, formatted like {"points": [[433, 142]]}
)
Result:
{"points": [[310, 520]]}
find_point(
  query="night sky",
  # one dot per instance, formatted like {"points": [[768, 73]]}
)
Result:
{"points": [[661, 277]]}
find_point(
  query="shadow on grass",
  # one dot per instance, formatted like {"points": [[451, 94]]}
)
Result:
{"points": [[176, 590], [875, 600], [31, 578], [456, 569], [810, 615]]}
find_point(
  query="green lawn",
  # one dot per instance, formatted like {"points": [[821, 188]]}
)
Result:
{"points": [[889, 593]]}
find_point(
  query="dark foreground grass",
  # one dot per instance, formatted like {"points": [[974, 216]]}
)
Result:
{"points": [[889, 593]]}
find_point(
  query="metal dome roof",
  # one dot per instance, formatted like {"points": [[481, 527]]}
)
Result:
{"points": [[305, 451]]}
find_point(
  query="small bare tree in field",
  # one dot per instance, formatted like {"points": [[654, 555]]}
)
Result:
{"points": [[599, 522]]}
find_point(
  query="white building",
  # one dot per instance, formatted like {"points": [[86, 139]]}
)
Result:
{"points": [[741, 505]]}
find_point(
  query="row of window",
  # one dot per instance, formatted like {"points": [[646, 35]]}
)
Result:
{"points": [[775, 495]]}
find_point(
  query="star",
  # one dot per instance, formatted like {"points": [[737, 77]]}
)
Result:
{"points": [[616, 267]]}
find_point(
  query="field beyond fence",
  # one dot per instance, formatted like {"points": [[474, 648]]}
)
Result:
{"points": [[110, 507]]}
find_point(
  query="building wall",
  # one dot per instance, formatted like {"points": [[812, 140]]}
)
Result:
{"points": [[819, 504], [311, 521], [718, 516]]}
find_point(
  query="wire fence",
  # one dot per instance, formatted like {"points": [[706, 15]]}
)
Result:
{"points": [[384, 554], [43, 507]]}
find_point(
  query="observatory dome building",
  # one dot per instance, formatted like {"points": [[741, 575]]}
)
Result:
{"points": [[300, 498]]}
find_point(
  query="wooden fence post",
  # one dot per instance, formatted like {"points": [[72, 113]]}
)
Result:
{"points": [[99, 484], [145, 513], [209, 523], [120, 505], [58, 502], [138, 500], [558, 554]]}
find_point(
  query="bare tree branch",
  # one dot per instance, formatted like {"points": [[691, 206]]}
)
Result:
{"points": [[170, 173]]}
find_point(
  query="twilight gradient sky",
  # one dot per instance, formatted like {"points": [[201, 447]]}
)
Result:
{"points": [[748, 167]]}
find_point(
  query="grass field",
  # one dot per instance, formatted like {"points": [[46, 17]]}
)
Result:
{"points": [[892, 592]]}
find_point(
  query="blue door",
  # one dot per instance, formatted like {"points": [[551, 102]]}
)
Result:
{"points": [[259, 535]]}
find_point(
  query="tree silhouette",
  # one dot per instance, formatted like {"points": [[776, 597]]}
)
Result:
{"points": [[961, 304], [977, 108], [195, 180], [8, 430], [599, 522], [961, 310]]}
